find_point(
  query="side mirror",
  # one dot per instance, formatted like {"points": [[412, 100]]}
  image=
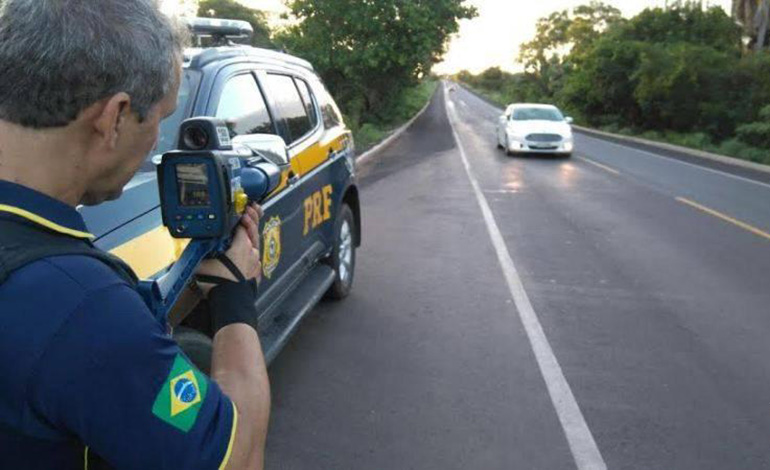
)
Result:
{"points": [[271, 147], [569, 120]]}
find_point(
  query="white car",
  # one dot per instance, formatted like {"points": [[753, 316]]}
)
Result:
{"points": [[535, 128]]}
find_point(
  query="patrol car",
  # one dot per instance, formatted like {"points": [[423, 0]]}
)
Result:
{"points": [[312, 221]]}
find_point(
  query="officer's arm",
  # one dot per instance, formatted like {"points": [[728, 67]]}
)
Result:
{"points": [[238, 365], [115, 380], [236, 357]]}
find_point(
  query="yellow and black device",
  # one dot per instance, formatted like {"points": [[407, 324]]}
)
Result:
{"points": [[206, 184], [205, 187]]}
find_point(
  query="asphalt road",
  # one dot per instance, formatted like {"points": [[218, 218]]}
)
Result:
{"points": [[638, 338]]}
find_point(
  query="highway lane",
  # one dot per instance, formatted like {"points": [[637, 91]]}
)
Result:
{"points": [[657, 312]]}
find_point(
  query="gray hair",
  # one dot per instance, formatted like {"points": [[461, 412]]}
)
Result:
{"points": [[58, 57]]}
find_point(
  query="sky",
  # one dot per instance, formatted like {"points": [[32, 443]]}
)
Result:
{"points": [[493, 37]]}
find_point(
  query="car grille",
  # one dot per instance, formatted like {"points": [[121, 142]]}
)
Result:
{"points": [[544, 138]]}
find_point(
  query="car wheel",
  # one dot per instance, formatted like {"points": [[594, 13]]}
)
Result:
{"points": [[508, 147], [197, 346], [343, 257]]}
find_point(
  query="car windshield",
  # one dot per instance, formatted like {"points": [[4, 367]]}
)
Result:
{"points": [[537, 114], [169, 127]]}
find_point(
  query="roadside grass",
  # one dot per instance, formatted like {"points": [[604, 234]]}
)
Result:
{"points": [[694, 140], [368, 134]]}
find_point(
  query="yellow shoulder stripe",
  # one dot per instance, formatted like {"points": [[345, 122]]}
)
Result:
{"points": [[232, 438], [45, 222]]}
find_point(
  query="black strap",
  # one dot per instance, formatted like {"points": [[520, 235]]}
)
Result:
{"points": [[217, 280], [22, 243], [224, 259]]}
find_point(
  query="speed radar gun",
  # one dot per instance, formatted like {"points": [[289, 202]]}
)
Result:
{"points": [[205, 187]]}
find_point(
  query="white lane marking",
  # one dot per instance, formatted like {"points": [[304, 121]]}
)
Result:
{"points": [[581, 441], [597, 164], [710, 170]]}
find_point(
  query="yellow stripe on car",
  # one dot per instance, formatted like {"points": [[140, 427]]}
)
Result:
{"points": [[151, 253]]}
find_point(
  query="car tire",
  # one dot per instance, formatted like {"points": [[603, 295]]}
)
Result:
{"points": [[508, 147], [197, 346], [343, 257]]}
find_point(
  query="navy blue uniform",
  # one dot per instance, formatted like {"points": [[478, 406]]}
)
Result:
{"points": [[86, 371]]}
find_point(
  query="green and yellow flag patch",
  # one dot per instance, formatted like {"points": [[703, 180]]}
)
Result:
{"points": [[181, 397]]}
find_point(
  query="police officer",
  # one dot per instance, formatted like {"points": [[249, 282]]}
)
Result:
{"points": [[87, 376]]}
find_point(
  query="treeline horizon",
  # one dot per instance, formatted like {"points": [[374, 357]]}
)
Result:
{"points": [[682, 74]]}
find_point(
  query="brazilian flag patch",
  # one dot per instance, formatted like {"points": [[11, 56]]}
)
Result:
{"points": [[181, 397]]}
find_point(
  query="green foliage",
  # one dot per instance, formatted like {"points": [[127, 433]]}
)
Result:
{"points": [[682, 86], [757, 134], [370, 52], [232, 10], [602, 88], [403, 107], [562, 39], [665, 69], [736, 148], [686, 22]]}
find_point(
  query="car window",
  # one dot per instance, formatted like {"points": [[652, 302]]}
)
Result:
{"points": [[307, 99], [286, 96], [243, 107], [329, 111], [537, 114]]}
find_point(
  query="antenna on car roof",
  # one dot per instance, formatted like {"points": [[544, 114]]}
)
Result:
{"points": [[221, 31]]}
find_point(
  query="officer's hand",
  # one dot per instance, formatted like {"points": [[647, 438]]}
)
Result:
{"points": [[244, 252]]}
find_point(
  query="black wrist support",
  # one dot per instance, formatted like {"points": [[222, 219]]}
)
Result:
{"points": [[233, 302]]}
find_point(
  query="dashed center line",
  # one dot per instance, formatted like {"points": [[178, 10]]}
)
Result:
{"points": [[725, 217], [599, 165]]}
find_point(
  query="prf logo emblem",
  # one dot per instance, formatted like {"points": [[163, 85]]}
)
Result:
{"points": [[271, 246], [181, 396]]}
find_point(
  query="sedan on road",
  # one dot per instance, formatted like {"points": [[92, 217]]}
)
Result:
{"points": [[535, 128]]}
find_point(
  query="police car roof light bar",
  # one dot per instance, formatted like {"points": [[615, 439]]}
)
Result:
{"points": [[221, 30]]}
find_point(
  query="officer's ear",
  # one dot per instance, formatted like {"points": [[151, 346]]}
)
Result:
{"points": [[111, 117]]}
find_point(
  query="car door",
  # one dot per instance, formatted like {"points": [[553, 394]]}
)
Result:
{"points": [[302, 129], [239, 99]]}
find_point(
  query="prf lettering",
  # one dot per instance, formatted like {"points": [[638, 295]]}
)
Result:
{"points": [[318, 208]]}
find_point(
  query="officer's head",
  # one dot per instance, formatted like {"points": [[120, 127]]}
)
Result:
{"points": [[91, 78]]}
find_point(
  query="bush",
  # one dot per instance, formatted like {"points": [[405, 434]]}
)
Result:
{"points": [[738, 149], [757, 134], [681, 87]]}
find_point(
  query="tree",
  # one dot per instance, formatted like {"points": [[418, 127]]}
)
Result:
{"points": [[686, 22], [754, 15], [369, 51], [562, 40], [665, 69], [232, 10]]}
